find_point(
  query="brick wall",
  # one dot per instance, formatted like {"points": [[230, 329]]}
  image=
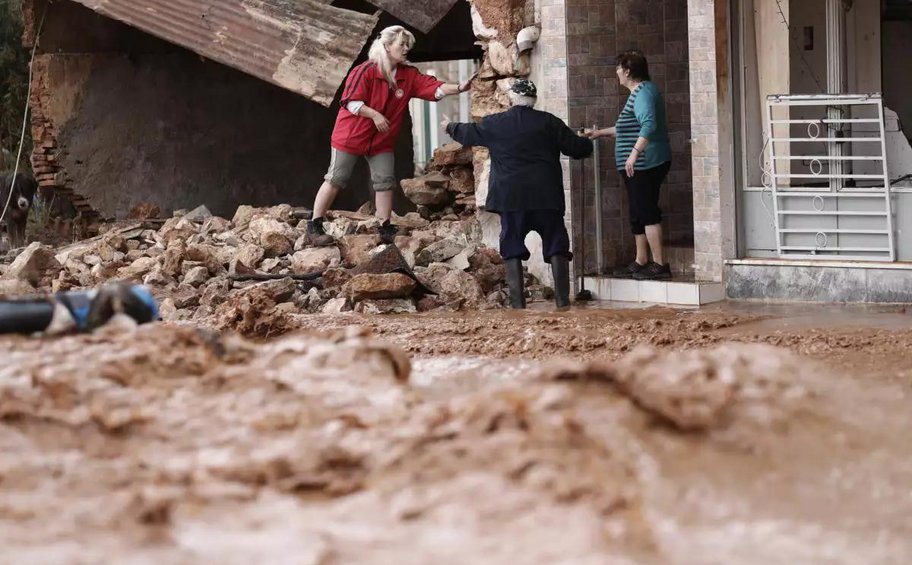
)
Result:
{"points": [[596, 30]]}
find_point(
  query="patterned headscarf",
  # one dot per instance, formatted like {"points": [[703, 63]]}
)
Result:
{"points": [[524, 87]]}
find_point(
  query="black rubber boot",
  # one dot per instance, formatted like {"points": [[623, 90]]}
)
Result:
{"points": [[515, 282], [560, 270], [388, 232], [316, 235]]}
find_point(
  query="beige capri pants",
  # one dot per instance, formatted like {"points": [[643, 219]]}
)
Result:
{"points": [[382, 169]]}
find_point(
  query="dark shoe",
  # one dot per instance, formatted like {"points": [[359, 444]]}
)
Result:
{"points": [[628, 271], [316, 235], [653, 271], [560, 270], [515, 282], [387, 232]]}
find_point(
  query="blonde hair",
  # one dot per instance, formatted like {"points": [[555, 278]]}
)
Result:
{"points": [[378, 50]]}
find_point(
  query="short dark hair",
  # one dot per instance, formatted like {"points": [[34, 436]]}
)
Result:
{"points": [[634, 61]]}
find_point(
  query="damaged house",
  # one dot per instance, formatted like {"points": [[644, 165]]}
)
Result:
{"points": [[216, 102], [790, 163]]}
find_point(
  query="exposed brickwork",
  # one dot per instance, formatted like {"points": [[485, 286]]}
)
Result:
{"points": [[596, 32]]}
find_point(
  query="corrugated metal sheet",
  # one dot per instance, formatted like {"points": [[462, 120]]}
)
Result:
{"points": [[421, 14], [305, 46]]}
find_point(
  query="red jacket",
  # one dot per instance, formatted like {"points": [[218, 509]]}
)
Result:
{"points": [[358, 135]]}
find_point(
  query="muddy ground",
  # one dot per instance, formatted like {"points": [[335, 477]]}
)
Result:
{"points": [[735, 434]]}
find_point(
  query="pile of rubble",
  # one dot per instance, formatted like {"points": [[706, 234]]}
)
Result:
{"points": [[252, 271], [447, 189]]}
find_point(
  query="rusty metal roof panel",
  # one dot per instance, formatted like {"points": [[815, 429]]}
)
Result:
{"points": [[305, 46], [423, 14]]}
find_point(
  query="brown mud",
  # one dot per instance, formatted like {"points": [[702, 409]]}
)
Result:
{"points": [[734, 435]]}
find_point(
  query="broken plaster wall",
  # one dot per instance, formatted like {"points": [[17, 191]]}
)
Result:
{"points": [[496, 24], [120, 117]]}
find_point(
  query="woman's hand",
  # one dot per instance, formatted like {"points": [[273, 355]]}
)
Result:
{"points": [[467, 85], [597, 133], [380, 122], [631, 163]]}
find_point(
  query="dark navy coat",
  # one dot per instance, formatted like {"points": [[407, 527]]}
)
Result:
{"points": [[525, 145]]}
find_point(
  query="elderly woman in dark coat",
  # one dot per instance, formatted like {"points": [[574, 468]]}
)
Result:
{"points": [[526, 184]]}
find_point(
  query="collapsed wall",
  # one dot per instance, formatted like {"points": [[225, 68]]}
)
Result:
{"points": [[120, 117]]}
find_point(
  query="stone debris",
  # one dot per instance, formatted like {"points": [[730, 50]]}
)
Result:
{"points": [[447, 188], [255, 272]]}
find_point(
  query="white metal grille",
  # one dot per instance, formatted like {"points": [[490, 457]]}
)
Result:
{"points": [[829, 177]]}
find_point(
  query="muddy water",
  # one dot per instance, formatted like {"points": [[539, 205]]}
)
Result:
{"points": [[653, 435]]}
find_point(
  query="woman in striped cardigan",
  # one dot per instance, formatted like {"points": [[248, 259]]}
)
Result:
{"points": [[643, 158]]}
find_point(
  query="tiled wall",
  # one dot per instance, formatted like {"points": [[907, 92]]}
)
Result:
{"points": [[704, 92], [596, 30]]}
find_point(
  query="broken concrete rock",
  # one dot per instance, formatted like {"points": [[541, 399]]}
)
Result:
{"points": [[199, 214], [461, 260], [411, 220], [274, 264], [209, 255], [34, 263], [156, 277], [452, 285], [462, 180], [138, 269], [370, 225], [378, 286], [336, 305], [421, 193], [186, 296], [389, 306], [335, 277], [173, 258], [215, 292], [196, 276], [438, 252], [250, 255], [452, 154], [275, 244], [167, 310], [313, 259], [281, 290], [11, 288], [262, 226], [356, 249], [341, 226], [253, 311], [216, 225], [243, 215], [175, 229], [502, 57]]}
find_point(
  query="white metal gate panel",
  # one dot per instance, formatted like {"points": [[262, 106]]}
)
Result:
{"points": [[849, 217]]}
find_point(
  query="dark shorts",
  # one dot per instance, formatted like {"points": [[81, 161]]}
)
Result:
{"points": [[643, 196], [549, 224]]}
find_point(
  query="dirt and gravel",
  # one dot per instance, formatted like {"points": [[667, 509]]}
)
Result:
{"points": [[727, 435]]}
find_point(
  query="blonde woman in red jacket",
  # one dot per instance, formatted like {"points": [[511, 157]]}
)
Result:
{"points": [[374, 102]]}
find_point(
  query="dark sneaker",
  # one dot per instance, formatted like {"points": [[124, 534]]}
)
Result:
{"points": [[653, 271], [629, 270], [316, 235], [387, 232]]}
